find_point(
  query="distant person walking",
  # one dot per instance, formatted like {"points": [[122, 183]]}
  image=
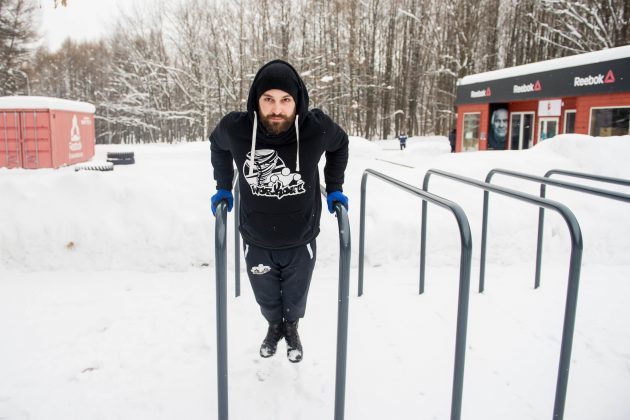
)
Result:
{"points": [[403, 141], [452, 138]]}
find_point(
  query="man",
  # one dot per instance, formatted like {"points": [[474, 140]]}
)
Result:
{"points": [[499, 122], [403, 141], [276, 146], [452, 139]]}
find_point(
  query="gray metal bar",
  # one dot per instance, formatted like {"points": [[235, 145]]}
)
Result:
{"points": [[464, 273], [543, 188], [539, 240], [237, 238], [574, 273], [362, 235], [591, 177], [342, 306], [343, 299], [541, 215], [220, 260], [484, 240]]}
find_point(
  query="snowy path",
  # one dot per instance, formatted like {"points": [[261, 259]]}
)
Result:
{"points": [[102, 344]]}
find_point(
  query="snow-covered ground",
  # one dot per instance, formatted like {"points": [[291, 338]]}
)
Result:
{"points": [[107, 294]]}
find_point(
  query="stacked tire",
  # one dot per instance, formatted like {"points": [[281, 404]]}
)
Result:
{"points": [[102, 167], [121, 158]]}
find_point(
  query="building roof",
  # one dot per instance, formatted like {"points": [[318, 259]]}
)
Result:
{"points": [[43, 102], [543, 66], [603, 72]]}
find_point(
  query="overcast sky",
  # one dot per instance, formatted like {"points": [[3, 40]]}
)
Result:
{"points": [[81, 20]]}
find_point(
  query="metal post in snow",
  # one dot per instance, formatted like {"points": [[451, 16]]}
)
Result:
{"points": [[220, 257], [237, 239]]}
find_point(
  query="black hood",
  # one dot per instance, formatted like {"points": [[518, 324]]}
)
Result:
{"points": [[302, 100]]}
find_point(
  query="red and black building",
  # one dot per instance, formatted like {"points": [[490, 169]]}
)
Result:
{"points": [[515, 108]]}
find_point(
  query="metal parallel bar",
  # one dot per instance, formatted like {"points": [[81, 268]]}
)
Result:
{"points": [[342, 306], [541, 213], [220, 258], [484, 240], [606, 179], [543, 188], [464, 273], [574, 273], [362, 235], [237, 238], [343, 300]]}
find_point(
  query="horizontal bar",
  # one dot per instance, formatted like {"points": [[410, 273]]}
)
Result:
{"points": [[574, 273], [464, 272]]}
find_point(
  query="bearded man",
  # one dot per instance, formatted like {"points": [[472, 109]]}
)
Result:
{"points": [[276, 146]]}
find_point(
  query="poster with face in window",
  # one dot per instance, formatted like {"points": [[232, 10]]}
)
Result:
{"points": [[497, 132]]}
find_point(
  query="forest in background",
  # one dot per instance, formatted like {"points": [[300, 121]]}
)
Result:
{"points": [[169, 72]]}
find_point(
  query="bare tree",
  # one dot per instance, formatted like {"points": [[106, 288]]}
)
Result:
{"points": [[586, 25], [17, 20], [378, 67]]}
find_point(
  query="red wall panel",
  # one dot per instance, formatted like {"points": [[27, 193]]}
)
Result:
{"points": [[43, 138]]}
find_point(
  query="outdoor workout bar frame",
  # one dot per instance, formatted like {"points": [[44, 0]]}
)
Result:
{"points": [[574, 270], [220, 252], [591, 177], [464, 273], [544, 181]]}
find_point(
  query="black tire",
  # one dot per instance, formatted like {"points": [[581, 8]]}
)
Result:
{"points": [[122, 161], [94, 167], [120, 155]]}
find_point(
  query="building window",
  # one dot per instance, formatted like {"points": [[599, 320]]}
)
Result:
{"points": [[569, 121], [610, 121], [470, 139]]}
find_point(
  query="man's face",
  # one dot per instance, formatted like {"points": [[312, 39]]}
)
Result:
{"points": [[277, 111], [500, 122]]}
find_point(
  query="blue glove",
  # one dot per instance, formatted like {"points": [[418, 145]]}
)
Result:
{"points": [[220, 196], [335, 196]]}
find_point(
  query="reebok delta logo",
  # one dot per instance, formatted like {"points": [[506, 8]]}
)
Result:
{"points": [[260, 269], [591, 80], [527, 87], [270, 177], [480, 93]]}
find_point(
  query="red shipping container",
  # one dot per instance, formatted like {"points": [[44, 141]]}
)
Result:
{"points": [[40, 132]]}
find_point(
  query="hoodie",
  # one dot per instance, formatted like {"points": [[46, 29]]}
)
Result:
{"points": [[278, 175]]}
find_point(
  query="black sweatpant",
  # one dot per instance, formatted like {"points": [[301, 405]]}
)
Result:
{"points": [[281, 279]]}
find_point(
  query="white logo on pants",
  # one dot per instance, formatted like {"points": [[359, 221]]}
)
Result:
{"points": [[261, 269]]}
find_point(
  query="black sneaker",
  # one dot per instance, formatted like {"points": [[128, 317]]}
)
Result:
{"points": [[270, 343], [294, 346]]}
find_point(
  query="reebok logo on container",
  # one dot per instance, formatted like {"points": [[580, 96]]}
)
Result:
{"points": [[528, 87], [480, 93], [594, 80]]}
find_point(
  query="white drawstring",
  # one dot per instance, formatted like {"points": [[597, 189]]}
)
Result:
{"points": [[253, 151], [297, 136]]}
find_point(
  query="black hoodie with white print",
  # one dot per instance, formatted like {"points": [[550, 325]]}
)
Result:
{"points": [[279, 184]]}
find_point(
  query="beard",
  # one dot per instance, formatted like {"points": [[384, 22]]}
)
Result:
{"points": [[277, 127]]}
